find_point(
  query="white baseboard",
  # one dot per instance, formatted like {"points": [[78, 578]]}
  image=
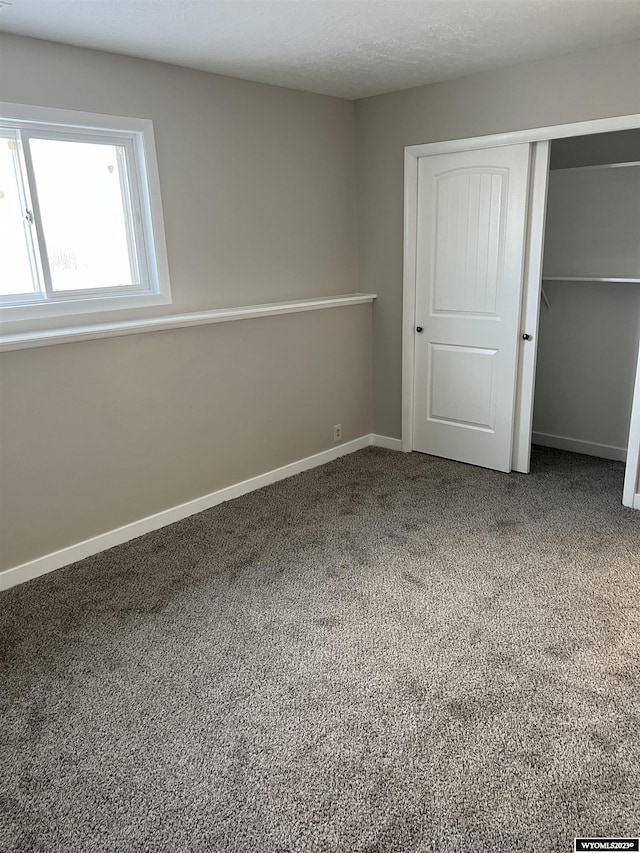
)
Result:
{"points": [[66, 556], [576, 445], [386, 441], [89, 547]]}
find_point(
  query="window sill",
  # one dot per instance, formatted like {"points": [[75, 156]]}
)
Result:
{"points": [[45, 309], [30, 340]]}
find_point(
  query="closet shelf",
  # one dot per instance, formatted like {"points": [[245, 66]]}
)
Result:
{"points": [[590, 278], [622, 165]]}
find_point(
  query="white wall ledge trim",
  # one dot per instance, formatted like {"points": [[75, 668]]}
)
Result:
{"points": [[45, 338]]}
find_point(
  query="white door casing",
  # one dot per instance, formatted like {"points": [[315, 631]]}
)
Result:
{"points": [[471, 219], [631, 491]]}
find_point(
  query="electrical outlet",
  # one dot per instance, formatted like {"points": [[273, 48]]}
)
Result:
{"points": [[337, 432]]}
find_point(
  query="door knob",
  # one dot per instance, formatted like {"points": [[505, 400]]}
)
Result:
{"points": [[419, 329], [527, 337]]}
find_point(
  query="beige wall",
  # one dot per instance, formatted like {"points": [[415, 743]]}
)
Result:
{"points": [[587, 352], [98, 434], [579, 87], [258, 188]]}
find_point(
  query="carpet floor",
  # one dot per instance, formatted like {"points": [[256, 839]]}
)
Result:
{"points": [[391, 653]]}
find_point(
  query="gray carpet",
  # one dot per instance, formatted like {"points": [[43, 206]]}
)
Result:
{"points": [[391, 653]]}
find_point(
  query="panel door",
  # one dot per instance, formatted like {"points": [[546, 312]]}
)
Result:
{"points": [[470, 242]]}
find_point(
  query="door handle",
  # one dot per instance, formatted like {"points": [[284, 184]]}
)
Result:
{"points": [[419, 329], [527, 337]]}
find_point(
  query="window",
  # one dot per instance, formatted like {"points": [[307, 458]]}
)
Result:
{"points": [[80, 215]]}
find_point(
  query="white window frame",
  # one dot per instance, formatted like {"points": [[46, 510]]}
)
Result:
{"points": [[147, 223]]}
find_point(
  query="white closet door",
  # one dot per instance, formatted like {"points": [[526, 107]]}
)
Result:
{"points": [[469, 269]]}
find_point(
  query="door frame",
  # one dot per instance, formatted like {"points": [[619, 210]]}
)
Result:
{"points": [[532, 271], [631, 491]]}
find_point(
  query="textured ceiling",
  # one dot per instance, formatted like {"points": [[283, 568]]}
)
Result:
{"points": [[349, 48]]}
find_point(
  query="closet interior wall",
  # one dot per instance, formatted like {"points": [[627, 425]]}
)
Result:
{"points": [[589, 329]]}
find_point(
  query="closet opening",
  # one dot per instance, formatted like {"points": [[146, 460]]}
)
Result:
{"points": [[589, 324]]}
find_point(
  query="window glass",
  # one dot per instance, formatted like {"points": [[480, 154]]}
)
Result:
{"points": [[83, 197]]}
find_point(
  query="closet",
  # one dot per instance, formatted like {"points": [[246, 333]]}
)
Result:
{"points": [[521, 289], [590, 309]]}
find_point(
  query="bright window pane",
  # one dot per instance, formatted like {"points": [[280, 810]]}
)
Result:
{"points": [[84, 206], [15, 265]]}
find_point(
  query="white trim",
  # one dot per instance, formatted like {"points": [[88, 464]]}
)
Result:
{"points": [[636, 502], [632, 471], [152, 214], [66, 556], [28, 340], [409, 295], [411, 155], [386, 441], [37, 312], [534, 134], [530, 310], [577, 445], [11, 111]]}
